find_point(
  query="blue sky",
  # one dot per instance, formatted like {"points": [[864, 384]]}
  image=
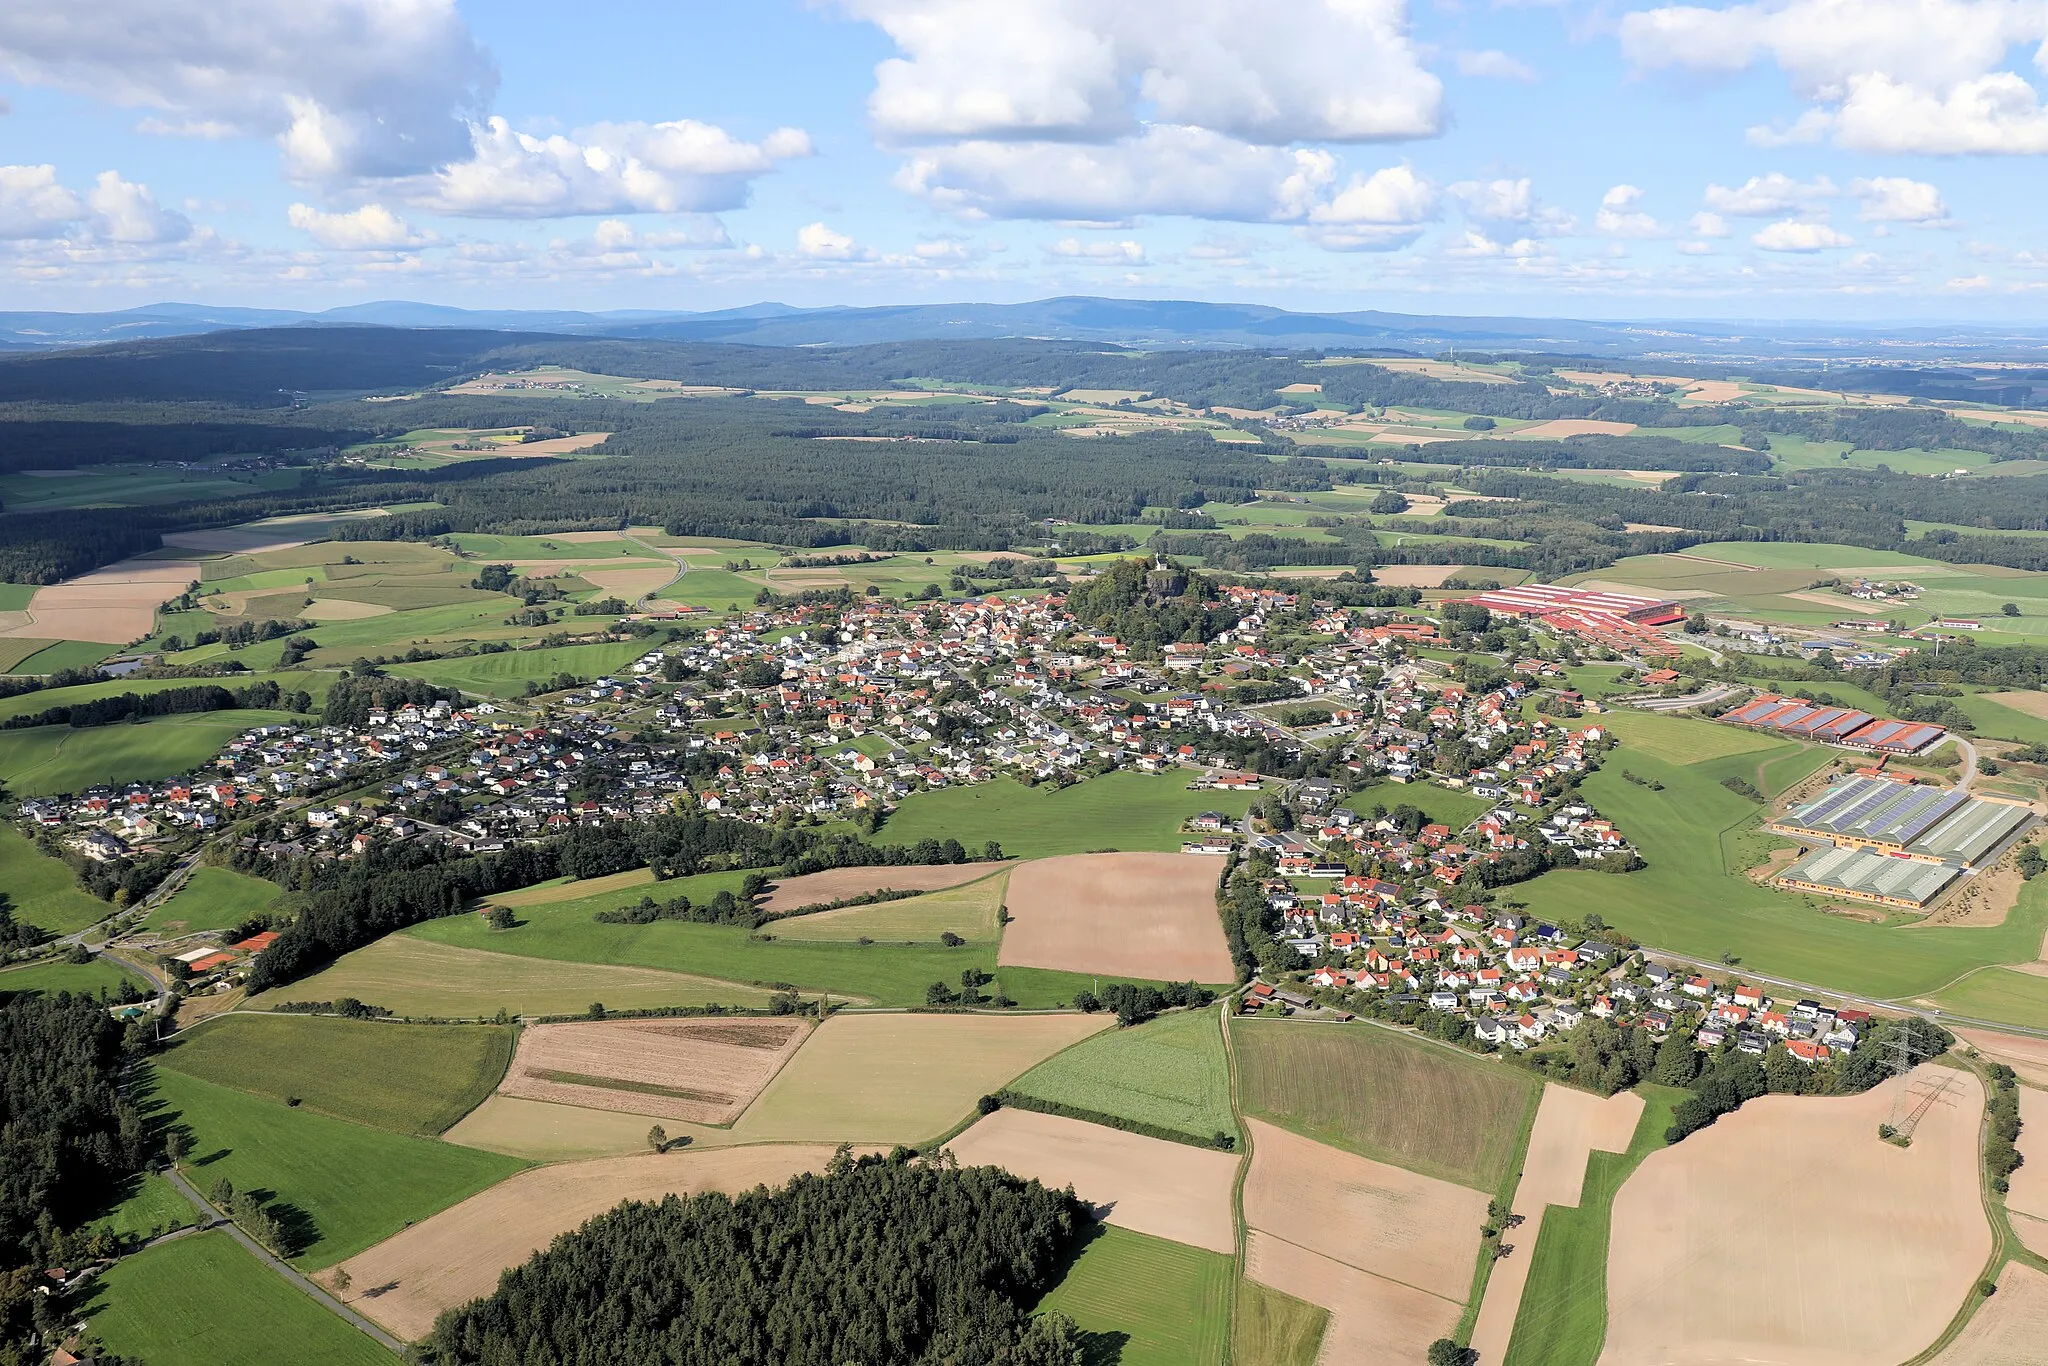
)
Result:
{"points": [[1815, 159]]}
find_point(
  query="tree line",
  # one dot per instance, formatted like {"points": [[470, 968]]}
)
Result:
{"points": [[263, 695]]}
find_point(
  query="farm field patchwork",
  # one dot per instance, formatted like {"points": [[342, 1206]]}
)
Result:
{"points": [[408, 1078], [1169, 1073], [703, 1071], [1129, 810], [1808, 1179], [1272, 1329], [203, 1301], [456, 1256], [1371, 1318], [1386, 1096], [1150, 1301], [836, 884], [1148, 1185], [344, 1186], [1150, 916], [409, 975], [2008, 1328]]}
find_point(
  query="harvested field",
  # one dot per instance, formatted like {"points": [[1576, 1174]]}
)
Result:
{"points": [[112, 605], [1136, 915], [1367, 1215], [1372, 1319], [1715, 391], [1386, 1096], [1728, 1246], [574, 889], [902, 1078], [541, 1132], [414, 976], [2032, 703], [341, 609], [631, 582], [456, 1256], [834, 884], [1416, 575], [1169, 1190], [559, 445], [2009, 1328], [2032, 1232], [971, 911], [2026, 1056], [1569, 1125], [702, 1071], [2029, 1193], [1559, 428]]}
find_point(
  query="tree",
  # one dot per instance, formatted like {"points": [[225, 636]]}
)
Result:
{"points": [[1785, 1075], [341, 1280], [1677, 1062], [938, 994], [657, 1139], [177, 1143], [2009, 609], [1446, 1352], [500, 918]]}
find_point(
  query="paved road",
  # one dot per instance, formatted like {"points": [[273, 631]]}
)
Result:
{"points": [[209, 1217], [1699, 699]]}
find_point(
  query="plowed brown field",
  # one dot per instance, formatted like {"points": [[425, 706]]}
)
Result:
{"points": [[702, 1071], [1133, 915]]}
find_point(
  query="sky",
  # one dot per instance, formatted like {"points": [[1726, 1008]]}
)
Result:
{"points": [[1862, 160]]}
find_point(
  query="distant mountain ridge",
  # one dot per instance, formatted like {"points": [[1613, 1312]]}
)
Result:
{"points": [[1152, 324]]}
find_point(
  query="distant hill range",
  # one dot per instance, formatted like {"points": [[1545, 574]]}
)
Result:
{"points": [[1150, 324]]}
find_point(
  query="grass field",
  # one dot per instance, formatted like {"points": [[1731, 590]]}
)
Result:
{"points": [[57, 759], [315, 682], [507, 674], [2003, 994], [1122, 810], [969, 911], [1563, 1318], [1693, 897], [1455, 809], [1147, 1302], [1272, 1329], [212, 899], [343, 1186], [61, 655], [147, 1205], [1170, 1073], [52, 977], [408, 1078], [41, 890], [1387, 1096], [413, 976], [203, 1301]]}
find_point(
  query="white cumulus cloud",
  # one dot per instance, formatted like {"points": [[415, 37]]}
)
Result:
{"points": [[1799, 236], [1764, 196], [821, 243], [370, 228], [34, 204], [1126, 253], [1619, 216], [1494, 64], [1380, 212], [1897, 199]]}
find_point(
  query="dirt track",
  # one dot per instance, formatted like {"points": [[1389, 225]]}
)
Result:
{"points": [[1789, 1232], [1134, 915], [1169, 1190], [454, 1257]]}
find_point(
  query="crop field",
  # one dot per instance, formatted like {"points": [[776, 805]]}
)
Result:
{"points": [[113, 604], [457, 1255], [56, 759], [1124, 809], [1169, 1072], [1272, 1329], [41, 890], [1146, 1301], [971, 911], [1551, 1304], [412, 976], [50, 977], [1912, 1219], [2009, 1327], [889, 974], [1137, 915], [1370, 1216], [1693, 898], [146, 1205], [203, 1301], [814, 889], [506, 674], [1372, 1318], [901, 1078], [1386, 1096], [1148, 1185], [408, 1078], [1681, 740], [703, 1071], [212, 899], [339, 1186]]}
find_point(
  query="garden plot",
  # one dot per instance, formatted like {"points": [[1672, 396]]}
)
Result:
{"points": [[1136, 915], [1148, 1185], [1375, 1218], [700, 1071], [1788, 1231], [456, 1256]]}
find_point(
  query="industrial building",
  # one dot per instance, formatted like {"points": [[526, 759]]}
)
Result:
{"points": [[1803, 720], [1892, 842], [1622, 621]]}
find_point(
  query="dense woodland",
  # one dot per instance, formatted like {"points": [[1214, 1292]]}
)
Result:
{"points": [[888, 1261]]}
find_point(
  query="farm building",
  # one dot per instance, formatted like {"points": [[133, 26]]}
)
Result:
{"points": [[1623, 621], [1905, 821], [1804, 720], [1863, 876]]}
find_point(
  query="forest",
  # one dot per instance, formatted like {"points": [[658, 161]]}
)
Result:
{"points": [[881, 1259]]}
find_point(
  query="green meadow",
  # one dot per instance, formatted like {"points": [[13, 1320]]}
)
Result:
{"points": [[41, 890], [1121, 810], [44, 760], [212, 899]]}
